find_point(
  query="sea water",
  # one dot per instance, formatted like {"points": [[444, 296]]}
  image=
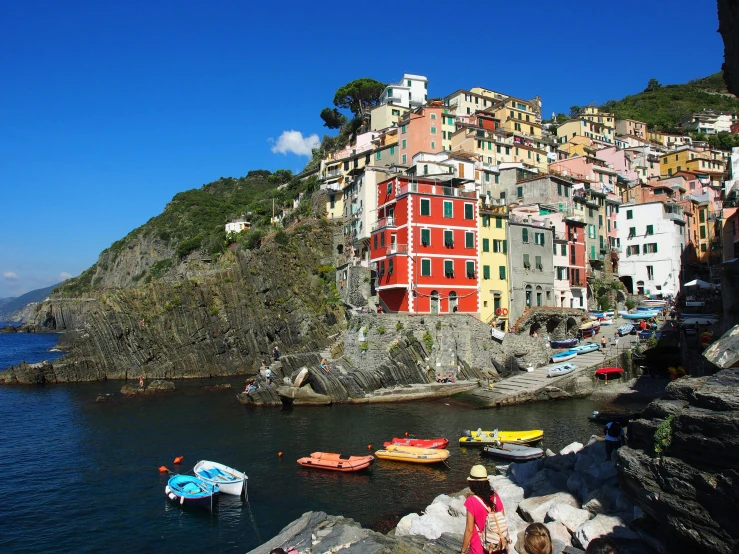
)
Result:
{"points": [[82, 476]]}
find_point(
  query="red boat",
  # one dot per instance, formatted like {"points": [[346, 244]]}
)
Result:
{"points": [[419, 443], [609, 372]]}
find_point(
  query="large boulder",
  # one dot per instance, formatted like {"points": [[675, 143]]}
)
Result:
{"points": [[446, 514], [571, 448], [600, 526], [536, 508], [560, 536], [303, 396], [158, 386], [510, 493], [522, 473], [569, 516]]}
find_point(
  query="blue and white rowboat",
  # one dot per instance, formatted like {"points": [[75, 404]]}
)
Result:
{"points": [[227, 479], [562, 369], [187, 490], [585, 348], [564, 356]]}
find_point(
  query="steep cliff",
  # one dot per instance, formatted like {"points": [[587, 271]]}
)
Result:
{"points": [[200, 322]]}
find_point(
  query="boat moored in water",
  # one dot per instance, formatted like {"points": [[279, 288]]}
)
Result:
{"points": [[516, 452], [336, 462], [480, 437], [418, 443], [187, 490], [227, 479], [413, 454]]}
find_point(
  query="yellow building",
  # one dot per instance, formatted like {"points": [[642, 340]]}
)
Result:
{"points": [[577, 146], [386, 115], [695, 161], [517, 116], [494, 278], [670, 140], [334, 204]]}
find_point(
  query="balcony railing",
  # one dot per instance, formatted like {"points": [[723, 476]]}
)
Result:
{"points": [[396, 249], [384, 222], [438, 190]]}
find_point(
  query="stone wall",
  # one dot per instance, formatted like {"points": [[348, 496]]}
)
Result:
{"points": [[354, 284], [552, 322]]}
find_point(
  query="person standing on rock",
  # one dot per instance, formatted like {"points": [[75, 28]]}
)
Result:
{"points": [[276, 353], [141, 381], [614, 437], [481, 504], [603, 343]]}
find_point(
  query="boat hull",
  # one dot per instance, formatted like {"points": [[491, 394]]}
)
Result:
{"points": [[639, 315], [412, 454], [186, 490], [625, 330], [517, 452], [335, 462], [481, 438], [585, 348], [563, 369], [227, 479], [564, 356], [565, 343], [419, 443], [609, 371]]}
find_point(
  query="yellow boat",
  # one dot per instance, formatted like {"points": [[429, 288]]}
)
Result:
{"points": [[481, 438], [412, 454]]}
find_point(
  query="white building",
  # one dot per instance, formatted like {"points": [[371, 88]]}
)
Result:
{"points": [[237, 226], [709, 122], [411, 91], [652, 238]]}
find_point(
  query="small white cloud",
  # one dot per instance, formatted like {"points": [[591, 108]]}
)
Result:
{"points": [[10, 276], [64, 275], [295, 143]]}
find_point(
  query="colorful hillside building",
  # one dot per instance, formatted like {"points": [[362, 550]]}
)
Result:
{"points": [[424, 246]]}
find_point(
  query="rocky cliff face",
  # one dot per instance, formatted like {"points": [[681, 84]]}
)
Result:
{"points": [[219, 321], [693, 491]]}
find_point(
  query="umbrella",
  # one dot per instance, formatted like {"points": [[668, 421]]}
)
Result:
{"points": [[700, 284]]}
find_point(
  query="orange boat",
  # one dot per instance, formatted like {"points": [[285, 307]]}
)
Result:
{"points": [[336, 462]]}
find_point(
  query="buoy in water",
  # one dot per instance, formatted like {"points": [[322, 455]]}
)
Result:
{"points": [[178, 460], [369, 447], [163, 469], [406, 433], [279, 454]]}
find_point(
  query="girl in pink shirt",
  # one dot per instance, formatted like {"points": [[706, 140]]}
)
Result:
{"points": [[477, 512]]}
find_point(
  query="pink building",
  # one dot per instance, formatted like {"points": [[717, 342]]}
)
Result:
{"points": [[420, 131], [619, 162]]}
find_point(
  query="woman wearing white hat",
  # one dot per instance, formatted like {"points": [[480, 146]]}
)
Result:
{"points": [[479, 504]]}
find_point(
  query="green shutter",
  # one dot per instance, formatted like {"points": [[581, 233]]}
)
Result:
{"points": [[426, 236], [375, 241], [469, 211], [655, 247], [425, 268], [542, 239], [486, 272], [650, 229], [470, 267], [449, 238], [448, 209], [425, 206], [469, 240], [448, 267], [505, 247], [498, 223], [629, 214], [564, 249], [501, 272], [486, 245], [525, 234]]}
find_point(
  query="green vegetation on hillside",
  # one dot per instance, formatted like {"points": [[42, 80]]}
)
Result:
{"points": [[662, 106]]}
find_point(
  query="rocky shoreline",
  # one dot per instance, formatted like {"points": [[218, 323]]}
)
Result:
{"points": [[684, 501]]}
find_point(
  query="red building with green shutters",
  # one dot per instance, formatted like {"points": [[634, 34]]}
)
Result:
{"points": [[424, 245]]}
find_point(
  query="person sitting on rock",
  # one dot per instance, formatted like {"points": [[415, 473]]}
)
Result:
{"points": [[535, 539], [324, 366]]}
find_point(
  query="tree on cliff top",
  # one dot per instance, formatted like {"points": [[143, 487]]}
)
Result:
{"points": [[359, 95]]}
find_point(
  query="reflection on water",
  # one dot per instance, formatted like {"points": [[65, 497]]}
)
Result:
{"points": [[96, 464]]}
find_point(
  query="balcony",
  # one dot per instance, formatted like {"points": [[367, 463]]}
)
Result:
{"points": [[384, 222], [437, 190], [578, 282], [393, 249]]}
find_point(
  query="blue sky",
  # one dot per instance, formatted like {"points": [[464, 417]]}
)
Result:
{"points": [[108, 109]]}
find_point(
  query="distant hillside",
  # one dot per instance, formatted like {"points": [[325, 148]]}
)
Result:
{"points": [[663, 106], [8, 306]]}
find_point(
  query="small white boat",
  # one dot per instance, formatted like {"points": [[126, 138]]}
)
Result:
{"points": [[497, 334], [518, 452], [227, 479], [562, 369], [606, 321], [655, 303]]}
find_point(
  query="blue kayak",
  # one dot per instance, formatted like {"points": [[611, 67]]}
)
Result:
{"points": [[585, 348], [187, 490]]}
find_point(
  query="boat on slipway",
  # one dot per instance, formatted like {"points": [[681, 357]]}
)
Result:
{"points": [[654, 303], [515, 452], [227, 479], [626, 329], [418, 443], [335, 462], [585, 348], [605, 321], [563, 356], [564, 343], [609, 372], [481, 438], [413, 454], [589, 329], [638, 314], [187, 490], [562, 369]]}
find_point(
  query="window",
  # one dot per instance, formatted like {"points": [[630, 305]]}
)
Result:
{"points": [[519, 191], [629, 214], [433, 145], [402, 129], [539, 265], [600, 221], [591, 231], [632, 232], [703, 247], [498, 223], [559, 189], [449, 239], [505, 246], [395, 112], [469, 211], [375, 242], [486, 272], [563, 249], [392, 150], [525, 234], [448, 208], [590, 212], [389, 188], [486, 221], [650, 229], [433, 116], [469, 239], [425, 237], [703, 231], [501, 272], [486, 245], [470, 267], [425, 206], [538, 296], [404, 159], [567, 191], [650, 248], [378, 155], [433, 130], [404, 143], [539, 238], [497, 245], [632, 250], [702, 216], [526, 262], [390, 265], [448, 268], [382, 240], [425, 267], [650, 272]]}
